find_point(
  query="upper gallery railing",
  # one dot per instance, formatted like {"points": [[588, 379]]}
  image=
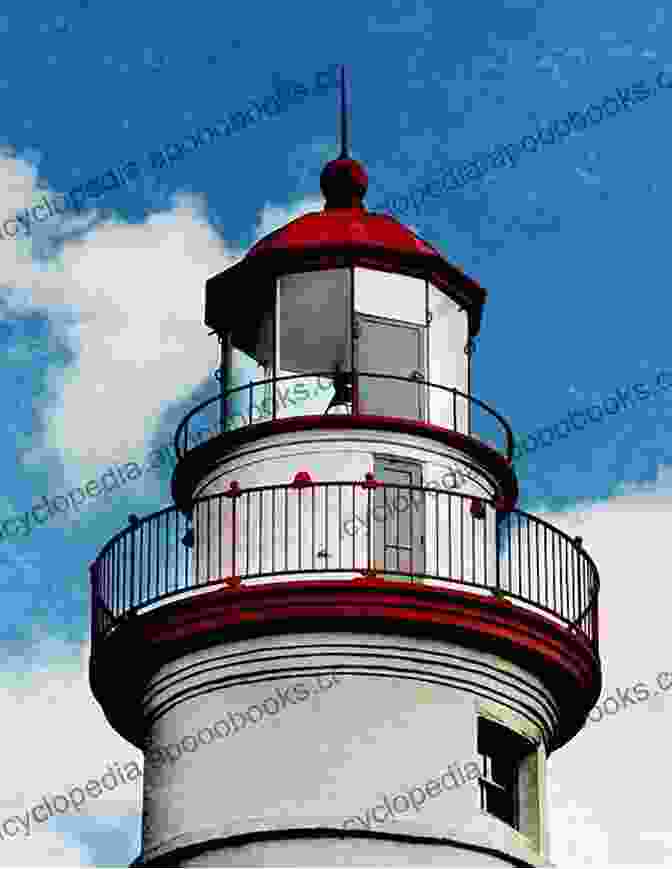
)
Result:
{"points": [[299, 530], [357, 393]]}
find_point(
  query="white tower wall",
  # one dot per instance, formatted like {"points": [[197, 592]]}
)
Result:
{"points": [[325, 760]]}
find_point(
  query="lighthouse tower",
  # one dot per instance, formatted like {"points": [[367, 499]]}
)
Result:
{"points": [[343, 645]]}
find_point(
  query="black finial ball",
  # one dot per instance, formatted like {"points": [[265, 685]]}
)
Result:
{"points": [[344, 183]]}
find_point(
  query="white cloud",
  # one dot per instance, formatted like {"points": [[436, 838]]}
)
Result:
{"points": [[274, 216], [129, 303], [610, 782], [56, 738]]}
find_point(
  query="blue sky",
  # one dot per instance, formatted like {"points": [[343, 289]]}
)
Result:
{"points": [[106, 352]]}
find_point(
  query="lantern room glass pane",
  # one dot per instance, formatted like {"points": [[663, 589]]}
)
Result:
{"points": [[249, 401], [385, 294], [448, 363], [313, 336], [314, 333]]}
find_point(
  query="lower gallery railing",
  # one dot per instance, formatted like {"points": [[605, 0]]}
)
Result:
{"points": [[306, 530]]}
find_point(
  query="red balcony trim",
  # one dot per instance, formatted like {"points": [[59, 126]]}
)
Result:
{"points": [[563, 659]]}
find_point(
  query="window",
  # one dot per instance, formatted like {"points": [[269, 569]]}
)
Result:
{"points": [[314, 321], [501, 752]]}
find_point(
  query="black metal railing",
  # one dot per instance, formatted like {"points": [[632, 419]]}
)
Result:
{"points": [[300, 530], [406, 397]]}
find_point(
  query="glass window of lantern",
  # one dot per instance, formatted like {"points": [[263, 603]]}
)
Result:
{"points": [[248, 393], [313, 337], [386, 294], [248, 374], [448, 363]]}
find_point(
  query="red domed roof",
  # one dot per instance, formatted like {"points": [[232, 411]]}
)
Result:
{"points": [[343, 234], [345, 223], [344, 227]]}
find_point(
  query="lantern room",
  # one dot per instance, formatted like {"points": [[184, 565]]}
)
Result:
{"points": [[356, 298]]}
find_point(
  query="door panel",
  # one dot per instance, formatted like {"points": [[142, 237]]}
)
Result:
{"points": [[398, 521], [386, 347]]}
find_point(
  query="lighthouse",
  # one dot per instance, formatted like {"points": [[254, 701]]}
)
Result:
{"points": [[343, 644]]}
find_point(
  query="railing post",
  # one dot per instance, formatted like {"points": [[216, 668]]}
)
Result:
{"points": [[501, 515], [369, 535], [222, 401], [133, 523], [234, 492], [370, 483], [224, 378]]}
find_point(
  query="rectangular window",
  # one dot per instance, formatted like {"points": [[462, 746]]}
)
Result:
{"points": [[501, 752]]}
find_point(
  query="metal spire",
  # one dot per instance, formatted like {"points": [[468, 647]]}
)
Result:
{"points": [[344, 118]]}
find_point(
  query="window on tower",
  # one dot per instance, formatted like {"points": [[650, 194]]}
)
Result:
{"points": [[501, 753]]}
